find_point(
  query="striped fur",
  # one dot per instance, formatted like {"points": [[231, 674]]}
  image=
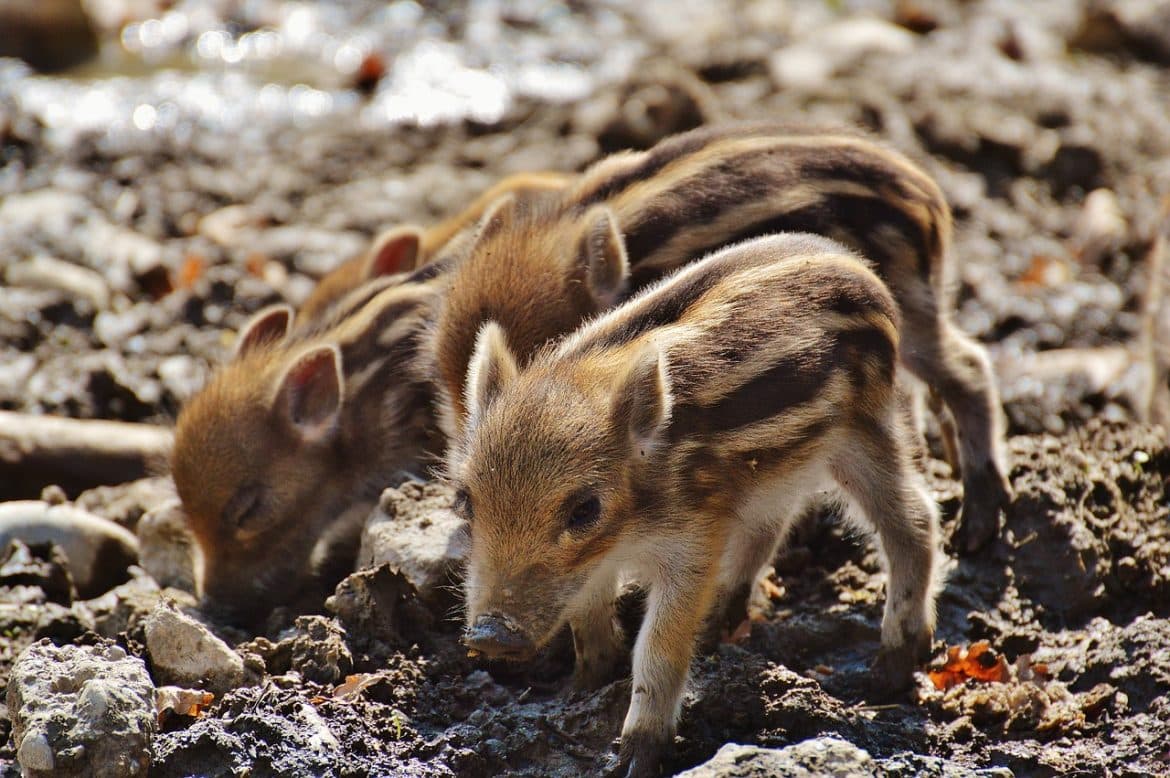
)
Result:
{"points": [[407, 248], [689, 427], [713, 187], [291, 438]]}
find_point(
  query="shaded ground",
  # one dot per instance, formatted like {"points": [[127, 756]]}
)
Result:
{"points": [[186, 222]]}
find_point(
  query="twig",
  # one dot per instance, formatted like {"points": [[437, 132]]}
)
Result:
{"points": [[36, 451]]}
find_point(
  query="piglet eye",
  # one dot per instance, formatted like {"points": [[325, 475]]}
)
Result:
{"points": [[585, 513], [244, 507], [462, 505]]}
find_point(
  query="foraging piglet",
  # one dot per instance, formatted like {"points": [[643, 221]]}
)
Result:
{"points": [[279, 458], [675, 439], [539, 269]]}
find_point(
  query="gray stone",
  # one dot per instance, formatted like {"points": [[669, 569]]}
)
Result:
{"points": [[822, 756], [415, 531], [99, 551], [81, 711], [184, 652], [167, 548], [827, 756]]}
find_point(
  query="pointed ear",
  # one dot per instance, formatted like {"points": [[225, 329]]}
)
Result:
{"points": [[309, 397], [492, 368], [268, 326], [495, 216], [394, 251], [602, 254], [643, 402]]}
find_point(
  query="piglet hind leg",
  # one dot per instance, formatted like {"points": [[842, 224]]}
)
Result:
{"points": [[876, 476], [958, 371], [662, 655]]}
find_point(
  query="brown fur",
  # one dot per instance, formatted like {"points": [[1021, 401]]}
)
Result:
{"points": [[701, 416], [713, 187]]}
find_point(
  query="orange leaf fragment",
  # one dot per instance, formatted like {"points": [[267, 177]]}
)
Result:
{"points": [[173, 700], [1045, 271], [977, 663], [190, 271]]}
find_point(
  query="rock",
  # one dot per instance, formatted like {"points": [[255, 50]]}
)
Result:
{"points": [[45, 272], [43, 566], [184, 652], [99, 551], [822, 756], [81, 711], [415, 531], [167, 548], [126, 607], [1101, 227], [819, 56], [126, 503]]}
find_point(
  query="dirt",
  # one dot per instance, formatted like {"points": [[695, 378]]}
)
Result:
{"points": [[223, 197]]}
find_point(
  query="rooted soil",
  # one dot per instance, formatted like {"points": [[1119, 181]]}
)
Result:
{"points": [[187, 218]]}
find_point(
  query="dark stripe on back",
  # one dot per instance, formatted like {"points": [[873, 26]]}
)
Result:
{"points": [[654, 161], [698, 200], [837, 163], [851, 219], [663, 308], [793, 380]]}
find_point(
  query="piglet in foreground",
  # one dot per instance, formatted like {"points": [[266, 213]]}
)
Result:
{"points": [[675, 441]]}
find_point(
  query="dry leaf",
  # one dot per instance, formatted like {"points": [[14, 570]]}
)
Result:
{"points": [[356, 684], [978, 662]]}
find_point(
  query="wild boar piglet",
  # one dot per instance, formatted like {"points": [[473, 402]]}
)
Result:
{"points": [[675, 440], [278, 459]]}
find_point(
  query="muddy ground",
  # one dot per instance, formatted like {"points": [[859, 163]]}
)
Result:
{"points": [[190, 176]]}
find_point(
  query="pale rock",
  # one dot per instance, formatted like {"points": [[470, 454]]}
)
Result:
{"points": [[81, 711], [184, 652], [415, 531]]}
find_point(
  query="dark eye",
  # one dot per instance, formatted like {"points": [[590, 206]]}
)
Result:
{"points": [[585, 513], [244, 507], [462, 505]]}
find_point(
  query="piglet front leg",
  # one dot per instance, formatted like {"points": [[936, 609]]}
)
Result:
{"points": [[662, 655]]}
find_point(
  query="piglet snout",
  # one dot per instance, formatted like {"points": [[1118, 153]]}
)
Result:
{"points": [[497, 637]]}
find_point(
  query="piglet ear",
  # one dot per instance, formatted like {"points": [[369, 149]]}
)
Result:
{"points": [[643, 401], [267, 327], [394, 251], [500, 213], [492, 368], [602, 255], [309, 397]]}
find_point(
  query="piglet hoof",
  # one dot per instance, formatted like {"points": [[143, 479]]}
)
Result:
{"points": [[640, 755], [985, 496], [892, 672]]}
